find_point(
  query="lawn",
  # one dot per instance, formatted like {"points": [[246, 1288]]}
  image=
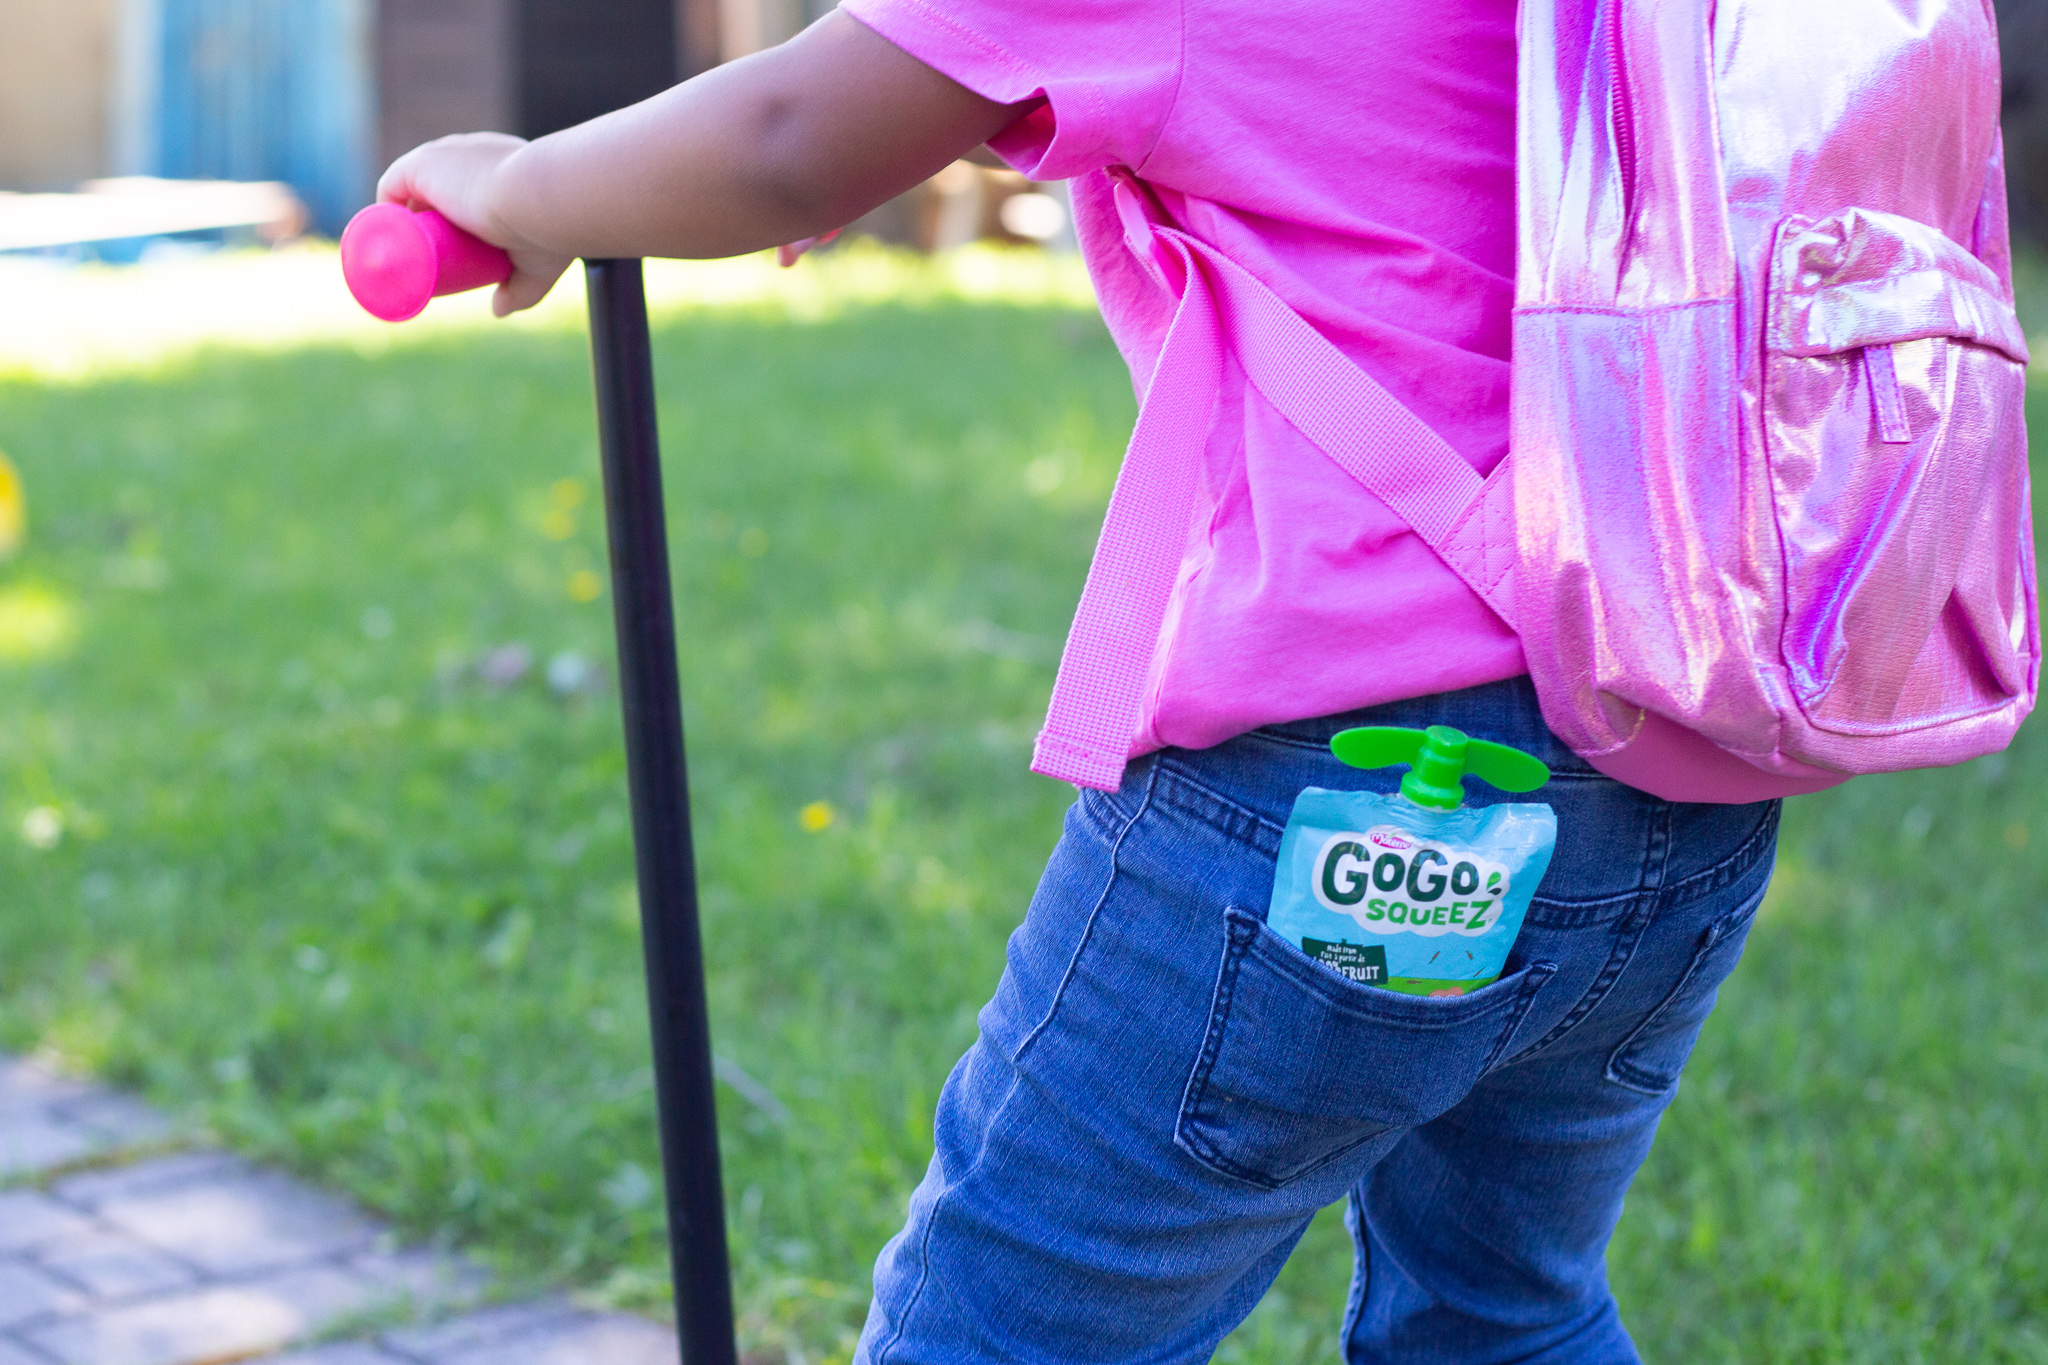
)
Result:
{"points": [[312, 823]]}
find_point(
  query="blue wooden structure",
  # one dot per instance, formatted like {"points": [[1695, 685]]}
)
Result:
{"points": [[268, 90]]}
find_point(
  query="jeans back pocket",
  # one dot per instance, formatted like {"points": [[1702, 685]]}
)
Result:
{"points": [[1654, 1052], [1300, 1065]]}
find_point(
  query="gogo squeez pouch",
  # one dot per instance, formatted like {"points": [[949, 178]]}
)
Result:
{"points": [[1413, 892]]}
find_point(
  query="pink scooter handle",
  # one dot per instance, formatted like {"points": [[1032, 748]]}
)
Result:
{"points": [[395, 260]]}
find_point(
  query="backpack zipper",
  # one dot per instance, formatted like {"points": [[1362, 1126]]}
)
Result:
{"points": [[1623, 118]]}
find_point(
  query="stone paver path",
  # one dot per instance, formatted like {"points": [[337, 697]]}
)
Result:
{"points": [[122, 1245]]}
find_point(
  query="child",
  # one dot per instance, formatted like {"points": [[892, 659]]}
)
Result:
{"points": [[1164, 1092]]}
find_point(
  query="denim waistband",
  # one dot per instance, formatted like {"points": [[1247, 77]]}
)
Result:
{"points": [[1614, 842]]}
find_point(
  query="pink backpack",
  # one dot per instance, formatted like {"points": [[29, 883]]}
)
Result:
{"points": [[1765, 523]]}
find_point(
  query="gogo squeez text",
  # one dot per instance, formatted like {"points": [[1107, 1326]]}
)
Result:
{"points": [[1429, 911], [1393, 883], [1425, 899]]}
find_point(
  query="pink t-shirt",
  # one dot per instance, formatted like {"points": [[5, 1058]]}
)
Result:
{"points": [[1359, 160]]}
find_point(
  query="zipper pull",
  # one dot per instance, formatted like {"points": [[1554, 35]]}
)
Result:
{"points": [[1890, 404]]}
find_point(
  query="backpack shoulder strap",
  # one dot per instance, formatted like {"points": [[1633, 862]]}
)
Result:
{"points": [[1371, 435], [1098, 696]]}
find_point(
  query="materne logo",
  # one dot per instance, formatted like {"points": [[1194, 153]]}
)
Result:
{"points": [[1393, 883]]}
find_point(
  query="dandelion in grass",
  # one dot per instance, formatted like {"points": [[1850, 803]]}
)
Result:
{"points": [[817, 817], [564, 497], [585, 586], [35, 623], [13, 509]]}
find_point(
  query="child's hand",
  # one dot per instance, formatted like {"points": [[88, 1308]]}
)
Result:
{"points": [[458, 177]]}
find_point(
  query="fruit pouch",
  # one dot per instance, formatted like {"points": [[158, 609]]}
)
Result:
{"points": [[1392, 893]]}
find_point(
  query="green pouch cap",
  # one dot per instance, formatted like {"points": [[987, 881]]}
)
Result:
{"points": [[1438, 758]]}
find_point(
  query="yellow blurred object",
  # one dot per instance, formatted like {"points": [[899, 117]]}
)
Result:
{"points": [[13, 509], [585, 586], [35, 623], [817, 816]]}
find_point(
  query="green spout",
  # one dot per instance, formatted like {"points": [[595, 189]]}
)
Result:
{"points": [[1438, 757]]}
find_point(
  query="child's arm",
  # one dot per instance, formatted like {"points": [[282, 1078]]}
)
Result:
{"points": [[785, 144]]}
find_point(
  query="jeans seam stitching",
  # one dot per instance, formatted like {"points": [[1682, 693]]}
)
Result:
{"points": [[1184, 778], [1096, 824], [1692, 887], [1630, 1077], [1354, 1305], [1540, 974], [924, 1266], [924, 1275], [1620, 1069], [924, 1243], [1093, 804], [1625, 941], [1275, 1182], [1657, 849], [1732, 868], [1116, 849], [1192, 1094]]}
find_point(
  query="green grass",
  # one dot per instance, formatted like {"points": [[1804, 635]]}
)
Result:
{"points": [[320, 887]]}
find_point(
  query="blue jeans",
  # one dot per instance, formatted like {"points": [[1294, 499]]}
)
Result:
{"points": [[1165, 1092]]}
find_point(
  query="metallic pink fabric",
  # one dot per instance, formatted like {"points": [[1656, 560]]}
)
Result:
{"points": [[1771, 496], [1765, 523]]}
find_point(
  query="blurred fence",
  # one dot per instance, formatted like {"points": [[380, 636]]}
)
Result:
{"points": [[265, 90], [319, 93]]}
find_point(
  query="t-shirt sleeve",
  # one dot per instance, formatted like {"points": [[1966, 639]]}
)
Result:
{"points": [[1104, 71]]}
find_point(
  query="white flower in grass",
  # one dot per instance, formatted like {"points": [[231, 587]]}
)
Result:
{"points": [[43, 827], [569, 673]]}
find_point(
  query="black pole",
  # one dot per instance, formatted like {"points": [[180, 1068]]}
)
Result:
{"points": [[650, 696]]}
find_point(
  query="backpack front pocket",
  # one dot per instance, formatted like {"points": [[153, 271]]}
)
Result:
{"points": [[1893, 385]]}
